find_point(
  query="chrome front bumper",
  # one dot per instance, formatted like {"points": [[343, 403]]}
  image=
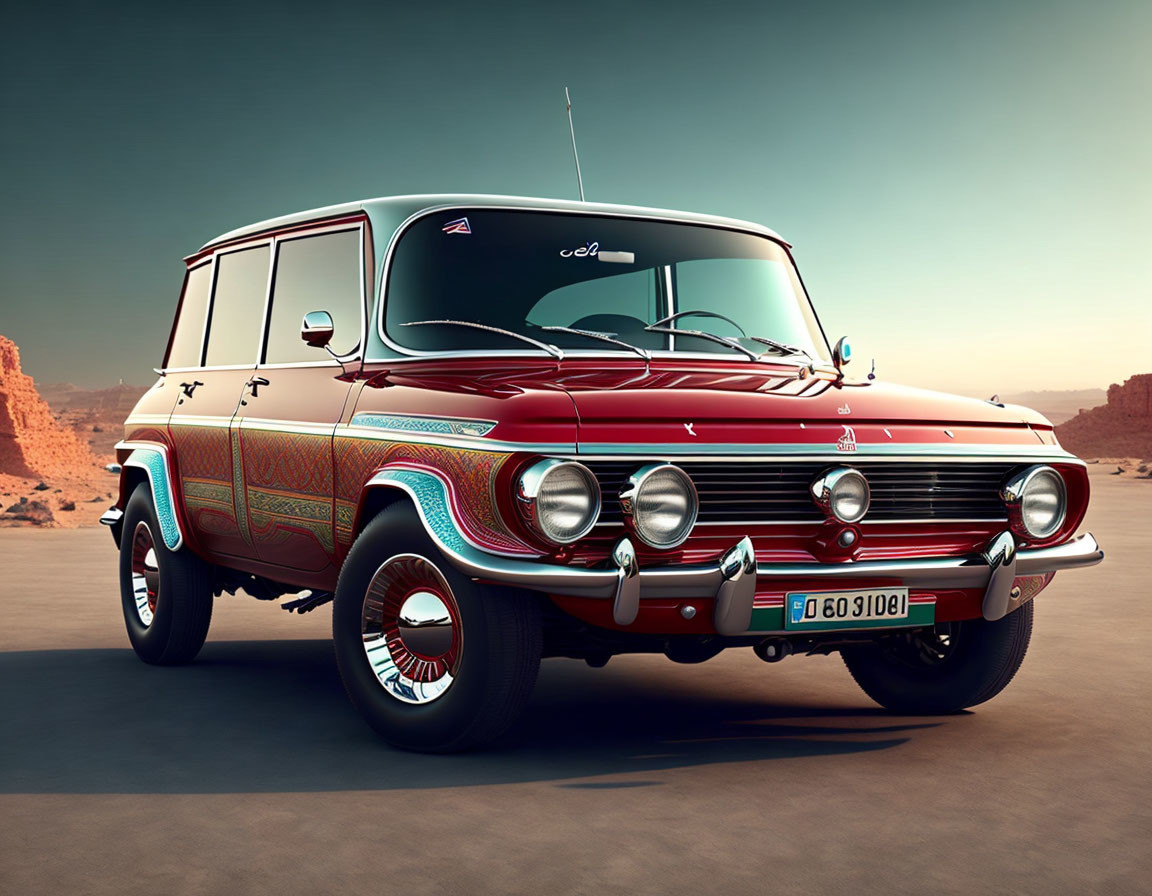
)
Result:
{"points": [[733, 581]]}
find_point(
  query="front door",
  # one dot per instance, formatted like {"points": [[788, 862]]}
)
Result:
{"points": [[201, 426], [285, 429], [288, 415]]}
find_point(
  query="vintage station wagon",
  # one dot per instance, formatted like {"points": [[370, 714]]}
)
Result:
{"points": [[496, 429]]}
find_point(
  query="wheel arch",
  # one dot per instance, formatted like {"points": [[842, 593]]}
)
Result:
{"points": [[149, 463]]}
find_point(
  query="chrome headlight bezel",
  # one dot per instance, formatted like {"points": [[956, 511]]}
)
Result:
{"points": [[633, 492], [533, 483], [824, 493], [1015, 494]]}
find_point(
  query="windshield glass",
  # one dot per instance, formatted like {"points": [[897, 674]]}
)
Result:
{"points": [[524, 271]]}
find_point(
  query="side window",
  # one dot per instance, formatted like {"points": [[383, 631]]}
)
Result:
{"points": [[315, 273], [186, 340], [237, 307]]}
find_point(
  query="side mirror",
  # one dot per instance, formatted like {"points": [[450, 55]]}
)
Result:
{"points": [[842, 353], [317, 329]]}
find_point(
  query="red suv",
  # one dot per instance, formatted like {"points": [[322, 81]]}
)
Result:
{"points": [[493, 429]]}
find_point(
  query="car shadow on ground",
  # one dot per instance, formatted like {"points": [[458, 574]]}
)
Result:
{"points": [[267, 716]]}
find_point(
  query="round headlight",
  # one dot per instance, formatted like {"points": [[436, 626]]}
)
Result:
{"points": [[843, 493], [660, 504], [560, 499], [1037, 501]]}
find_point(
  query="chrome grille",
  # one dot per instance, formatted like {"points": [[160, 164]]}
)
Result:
{"points": [[772, 491]]}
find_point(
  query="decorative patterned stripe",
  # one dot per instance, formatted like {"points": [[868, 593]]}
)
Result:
{"points": [[238, 496], [411, 423], [294, 507], [206, 490]]}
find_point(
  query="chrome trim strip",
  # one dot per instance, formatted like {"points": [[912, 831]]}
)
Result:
{"points": [[147, 420], [265, 425], [152, 458], [808, 451], [782, 452], [200, 420]]}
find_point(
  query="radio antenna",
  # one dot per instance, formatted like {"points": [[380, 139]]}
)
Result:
{"points": [[572, 131]]}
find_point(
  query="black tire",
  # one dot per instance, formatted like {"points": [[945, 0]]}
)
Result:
{"points": [[495, 661], [180, 593], [920, 674]]}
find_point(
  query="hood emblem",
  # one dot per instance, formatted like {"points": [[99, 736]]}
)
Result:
{"points": [[691, 431], [847, 442], [844, 410]]}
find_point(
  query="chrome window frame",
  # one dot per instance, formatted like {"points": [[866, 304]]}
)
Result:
{"points": [[408, 354]]}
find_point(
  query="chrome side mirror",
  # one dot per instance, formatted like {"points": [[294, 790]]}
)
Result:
{"points": [[842, 353], [317, 329]]}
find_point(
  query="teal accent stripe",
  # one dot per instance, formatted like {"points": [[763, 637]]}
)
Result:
{"points": [[432, 497], [153, 462], [447, 426]]}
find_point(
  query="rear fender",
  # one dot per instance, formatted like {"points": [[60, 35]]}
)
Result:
{"points": [[151, 461]]}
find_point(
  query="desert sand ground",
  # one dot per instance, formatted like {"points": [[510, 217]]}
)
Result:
{"points": [[249, 771]]}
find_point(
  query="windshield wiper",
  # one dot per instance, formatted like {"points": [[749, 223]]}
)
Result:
{"points": [[543, 346], [780, 346], [711, 337], [680, 314], [603, 337]]}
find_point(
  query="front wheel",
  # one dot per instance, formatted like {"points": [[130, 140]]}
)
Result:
{"points": [[432, 660], [945, 669]]}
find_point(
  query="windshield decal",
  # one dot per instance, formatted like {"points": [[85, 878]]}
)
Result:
{"points": [[460, 225], [588, 250]]}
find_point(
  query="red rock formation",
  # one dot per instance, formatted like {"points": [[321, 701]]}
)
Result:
{"points": [[32, 443], [1120, 428]]}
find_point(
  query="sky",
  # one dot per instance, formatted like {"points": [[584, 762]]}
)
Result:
{"points": [[966, 184]]}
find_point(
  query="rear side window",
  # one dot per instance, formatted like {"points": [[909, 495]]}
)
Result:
{"points": [[187, 340], [237, 307], [315, 273]]}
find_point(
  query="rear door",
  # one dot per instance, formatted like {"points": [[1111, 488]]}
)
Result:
{"points": [[288, 414], [207, 453]]}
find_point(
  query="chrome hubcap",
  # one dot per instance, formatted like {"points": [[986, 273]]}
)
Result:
{"points": [[145, 573], [410, 626]]}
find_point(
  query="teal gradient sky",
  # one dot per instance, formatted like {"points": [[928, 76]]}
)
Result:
{"points": [[968, 185]]}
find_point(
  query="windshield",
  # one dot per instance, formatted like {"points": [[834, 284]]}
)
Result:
{"points": [[528, 272]]}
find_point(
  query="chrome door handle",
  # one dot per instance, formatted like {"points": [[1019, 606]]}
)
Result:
{"points": [[189, 388], [255, 383]]}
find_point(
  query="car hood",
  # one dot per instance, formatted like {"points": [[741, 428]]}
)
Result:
{"points": [[714, 409], [679, 408]]}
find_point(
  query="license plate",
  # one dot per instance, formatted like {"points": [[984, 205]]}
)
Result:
{"points": [[846, 608]]}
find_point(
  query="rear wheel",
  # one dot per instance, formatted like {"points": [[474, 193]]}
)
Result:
{"points": [[166, 595], [432, 660], [945, 669]]}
